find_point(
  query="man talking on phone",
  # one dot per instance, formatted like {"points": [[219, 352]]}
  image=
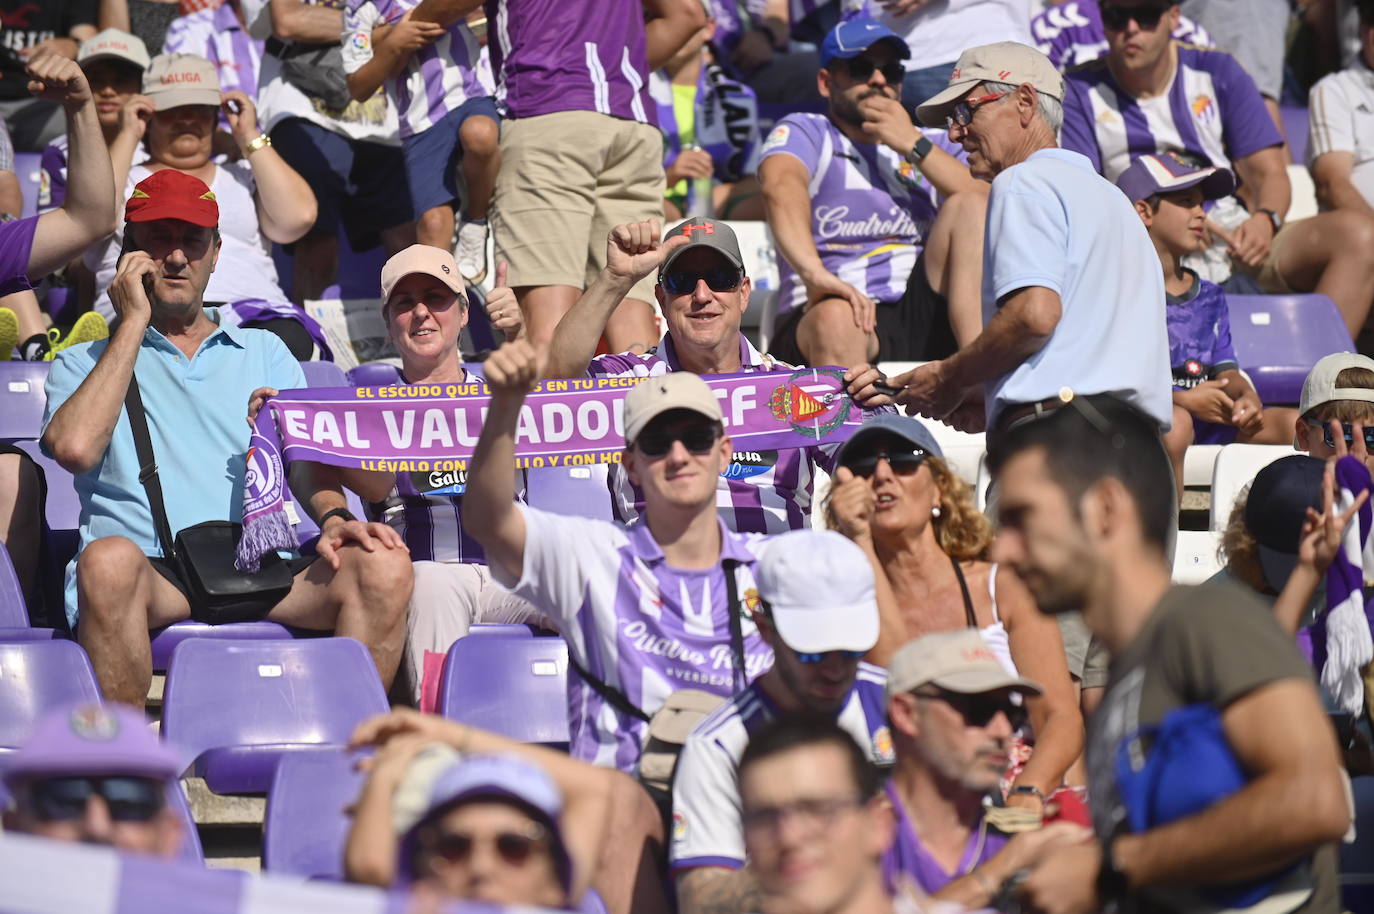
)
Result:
{"points": [[194, 373]]}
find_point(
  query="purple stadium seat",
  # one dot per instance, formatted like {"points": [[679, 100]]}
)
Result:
{"points": [[63, 510], [22, 399], [323, 374], [13, 613], [1279, 338], [27, 167], [374, 374], [306, 826], [12, 634], [571, 490], [501, 629], [36, 676], [1295, 122], [166, 639], [517, 687], [239, 706]]}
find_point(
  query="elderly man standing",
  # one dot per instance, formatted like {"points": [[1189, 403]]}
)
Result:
{"points": [[1070, 290]]}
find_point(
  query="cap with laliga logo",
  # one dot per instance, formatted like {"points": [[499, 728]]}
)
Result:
{"points": [[113, 44], [1003, 62], [701, 233], [173, 80], [421, 258]]}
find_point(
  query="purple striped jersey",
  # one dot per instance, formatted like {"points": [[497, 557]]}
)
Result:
{"points": [[1071, 34], [871, 209], [216, 35], [437, 79], [570, 55], [761, 491], [634, 622]]}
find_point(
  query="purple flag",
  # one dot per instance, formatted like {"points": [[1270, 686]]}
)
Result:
{"points": [[1341, 641]]}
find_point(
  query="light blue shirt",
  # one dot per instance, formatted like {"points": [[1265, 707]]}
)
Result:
{"points": [[195, 412], [1055, 222]]}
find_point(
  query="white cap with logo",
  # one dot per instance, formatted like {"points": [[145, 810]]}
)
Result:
{"points": [[653, 397], [1003, 62], [114, 44], [958, 661], [173, 80], [819, 588]]}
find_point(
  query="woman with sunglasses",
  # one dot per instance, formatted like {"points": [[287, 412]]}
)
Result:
{"points": [[895, 497]]}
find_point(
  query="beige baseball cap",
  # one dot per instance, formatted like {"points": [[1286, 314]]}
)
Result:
{"points": [[958, 661], [1320, 386], [655, 396], [421, 258], [173, 80], [114, 44], [1003, 62]]}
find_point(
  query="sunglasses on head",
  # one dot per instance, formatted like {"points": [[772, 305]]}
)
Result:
{"points": [[903, 463], [697, 439], [129, 799], [817, 658], [719, 279], [1348, 430], [514, 848], [1117, 18], [861, 69], [979, 710]]}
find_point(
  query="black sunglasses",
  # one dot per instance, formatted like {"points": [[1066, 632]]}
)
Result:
{"points": [[514, 848], [697, 439], [720, 279], [903, 463], [129, 799], [1348, 430], [861, 69], [1146, 16], [979, 710]]}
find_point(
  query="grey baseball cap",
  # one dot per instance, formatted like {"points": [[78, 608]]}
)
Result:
{"points": [[702, 232]]}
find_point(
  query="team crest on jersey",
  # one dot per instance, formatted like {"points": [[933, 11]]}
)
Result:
{"points": [[776, 137], [906, 173], [813, 401], [752, 601], [1107, 117], [883, 751], [1204, 109], [679, 826]]}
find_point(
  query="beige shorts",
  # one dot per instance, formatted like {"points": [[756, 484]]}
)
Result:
{"points": [[566, 180], [1267, 276]]}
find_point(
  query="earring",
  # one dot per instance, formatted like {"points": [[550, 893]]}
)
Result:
{"points": [[935, 511]]}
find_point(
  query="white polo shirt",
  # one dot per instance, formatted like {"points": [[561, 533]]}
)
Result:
{"points": [[1341, 119]]}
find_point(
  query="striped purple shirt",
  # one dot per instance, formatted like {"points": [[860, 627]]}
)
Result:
{"points": [[216, 35], [1071, 34], [437, 79], [570, 55]]}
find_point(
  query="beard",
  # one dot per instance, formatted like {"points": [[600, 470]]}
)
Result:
{"points": [[845, 108]]}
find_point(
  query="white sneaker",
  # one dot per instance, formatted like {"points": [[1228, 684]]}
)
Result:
{"points": [[472, 252]]}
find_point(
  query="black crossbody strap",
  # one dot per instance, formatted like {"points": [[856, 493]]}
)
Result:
{"points": [[616, 698], [147, 467], [963, 588]]}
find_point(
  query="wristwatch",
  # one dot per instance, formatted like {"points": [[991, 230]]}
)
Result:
{"points": [[1274, 219], [1029, 790], [256, 143], [920, 150], [346, 514], [1111, 882]]}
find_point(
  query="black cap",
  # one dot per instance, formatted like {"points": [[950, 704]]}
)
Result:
{"points": [[704, 232], [1276, 509]]}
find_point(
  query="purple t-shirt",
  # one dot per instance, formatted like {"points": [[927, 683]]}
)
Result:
{"points": [[16, 244], [906, 858], [871, 209], [570, 55], [1200, 348], [1071, 33]]}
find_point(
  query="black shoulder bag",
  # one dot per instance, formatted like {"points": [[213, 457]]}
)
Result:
{"points": [[203, 555]]}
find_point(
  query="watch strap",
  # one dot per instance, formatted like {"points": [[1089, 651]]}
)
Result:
{"points": [[1274, 219], [920, 150], [346, 514]]}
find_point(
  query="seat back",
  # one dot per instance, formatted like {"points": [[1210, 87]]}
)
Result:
{"points": [[63, 508], [305, 827], [22, 399], [580, 491], [1195, 556], [374, 374], [1279, 338], [323, 374], [222, 694], [36, 676], [165, 640], [517, 687], [13, 612], [1235, 468], [1295, 124]]}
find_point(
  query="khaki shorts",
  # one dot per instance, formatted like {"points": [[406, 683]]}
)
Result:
{"points": [[566, 180], [1267, 276], [1085, 655]]}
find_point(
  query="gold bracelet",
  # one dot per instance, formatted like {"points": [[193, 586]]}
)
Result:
{"points": [[256, 143]]}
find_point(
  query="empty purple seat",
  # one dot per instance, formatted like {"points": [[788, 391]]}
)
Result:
{"points": [[374, 374], [517, 687], [323, 374], [1279, 338], [306, 826], [165, 640], [36, 676], [239, 706], [22, 399], [581, 491], [63, 508], [9, 633]]}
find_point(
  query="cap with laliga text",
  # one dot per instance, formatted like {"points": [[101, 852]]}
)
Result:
{"points": [[653, 397], [172, 194], [700, 233], [113, 44], [819, 588], [957, 661], [421, 258], [1003, 62], [93, 739], [173, 80]]}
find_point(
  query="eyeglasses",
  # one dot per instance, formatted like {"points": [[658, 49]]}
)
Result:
{"points": [[514, 848], [812, 813], [697, 439], [979, 710], [129, 799], [903, 463], [719, 279], [964, 111], [818, 658], [861, 70], [1117, 18], [1348, 430]]}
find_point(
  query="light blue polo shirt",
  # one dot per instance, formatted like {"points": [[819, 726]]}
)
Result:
{"points": [[195, 411], [1055, 222]]}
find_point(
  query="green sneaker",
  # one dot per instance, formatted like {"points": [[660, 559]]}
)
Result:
{"points": [[88, 328], [9, 333]]}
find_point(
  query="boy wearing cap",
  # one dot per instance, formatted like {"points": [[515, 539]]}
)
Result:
{"points": [[194, 371], [1213, 402], [817, 609], [95, 774], [1338, 389]]}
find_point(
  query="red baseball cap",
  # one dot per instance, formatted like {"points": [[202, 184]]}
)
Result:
{"points": [[172, 194]]}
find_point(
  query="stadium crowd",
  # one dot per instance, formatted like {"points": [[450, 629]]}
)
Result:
{"points": [[829, 675]]}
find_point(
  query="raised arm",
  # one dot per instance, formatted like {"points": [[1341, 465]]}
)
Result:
{"points": [[285, 203], [849, 509], [670, 24], [295, 20], [88, 213], [887, 122]]}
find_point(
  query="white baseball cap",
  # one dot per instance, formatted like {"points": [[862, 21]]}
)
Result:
{"points": [[1320, 385], [114, 44], [957, 661], [1003, 62], [653, 397], [819, 588]]}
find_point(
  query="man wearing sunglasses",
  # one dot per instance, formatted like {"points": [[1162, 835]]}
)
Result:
{"points": [[819, 612], [1152, 95], [95, 774], [878, 224]]}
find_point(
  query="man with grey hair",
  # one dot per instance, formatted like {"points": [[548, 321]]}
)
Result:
{"points": [[1070, 298]]}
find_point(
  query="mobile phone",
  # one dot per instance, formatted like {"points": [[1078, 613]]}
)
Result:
{"points": [[125, 247], [886, 389]]}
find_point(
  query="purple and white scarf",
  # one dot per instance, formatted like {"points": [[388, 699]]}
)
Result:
{"points": [[1341, 642]]}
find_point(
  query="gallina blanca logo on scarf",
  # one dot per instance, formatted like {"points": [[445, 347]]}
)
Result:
{"points": [[453, 482]]}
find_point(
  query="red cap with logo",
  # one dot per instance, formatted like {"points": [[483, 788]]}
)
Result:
{"points": [[172, 194]]}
